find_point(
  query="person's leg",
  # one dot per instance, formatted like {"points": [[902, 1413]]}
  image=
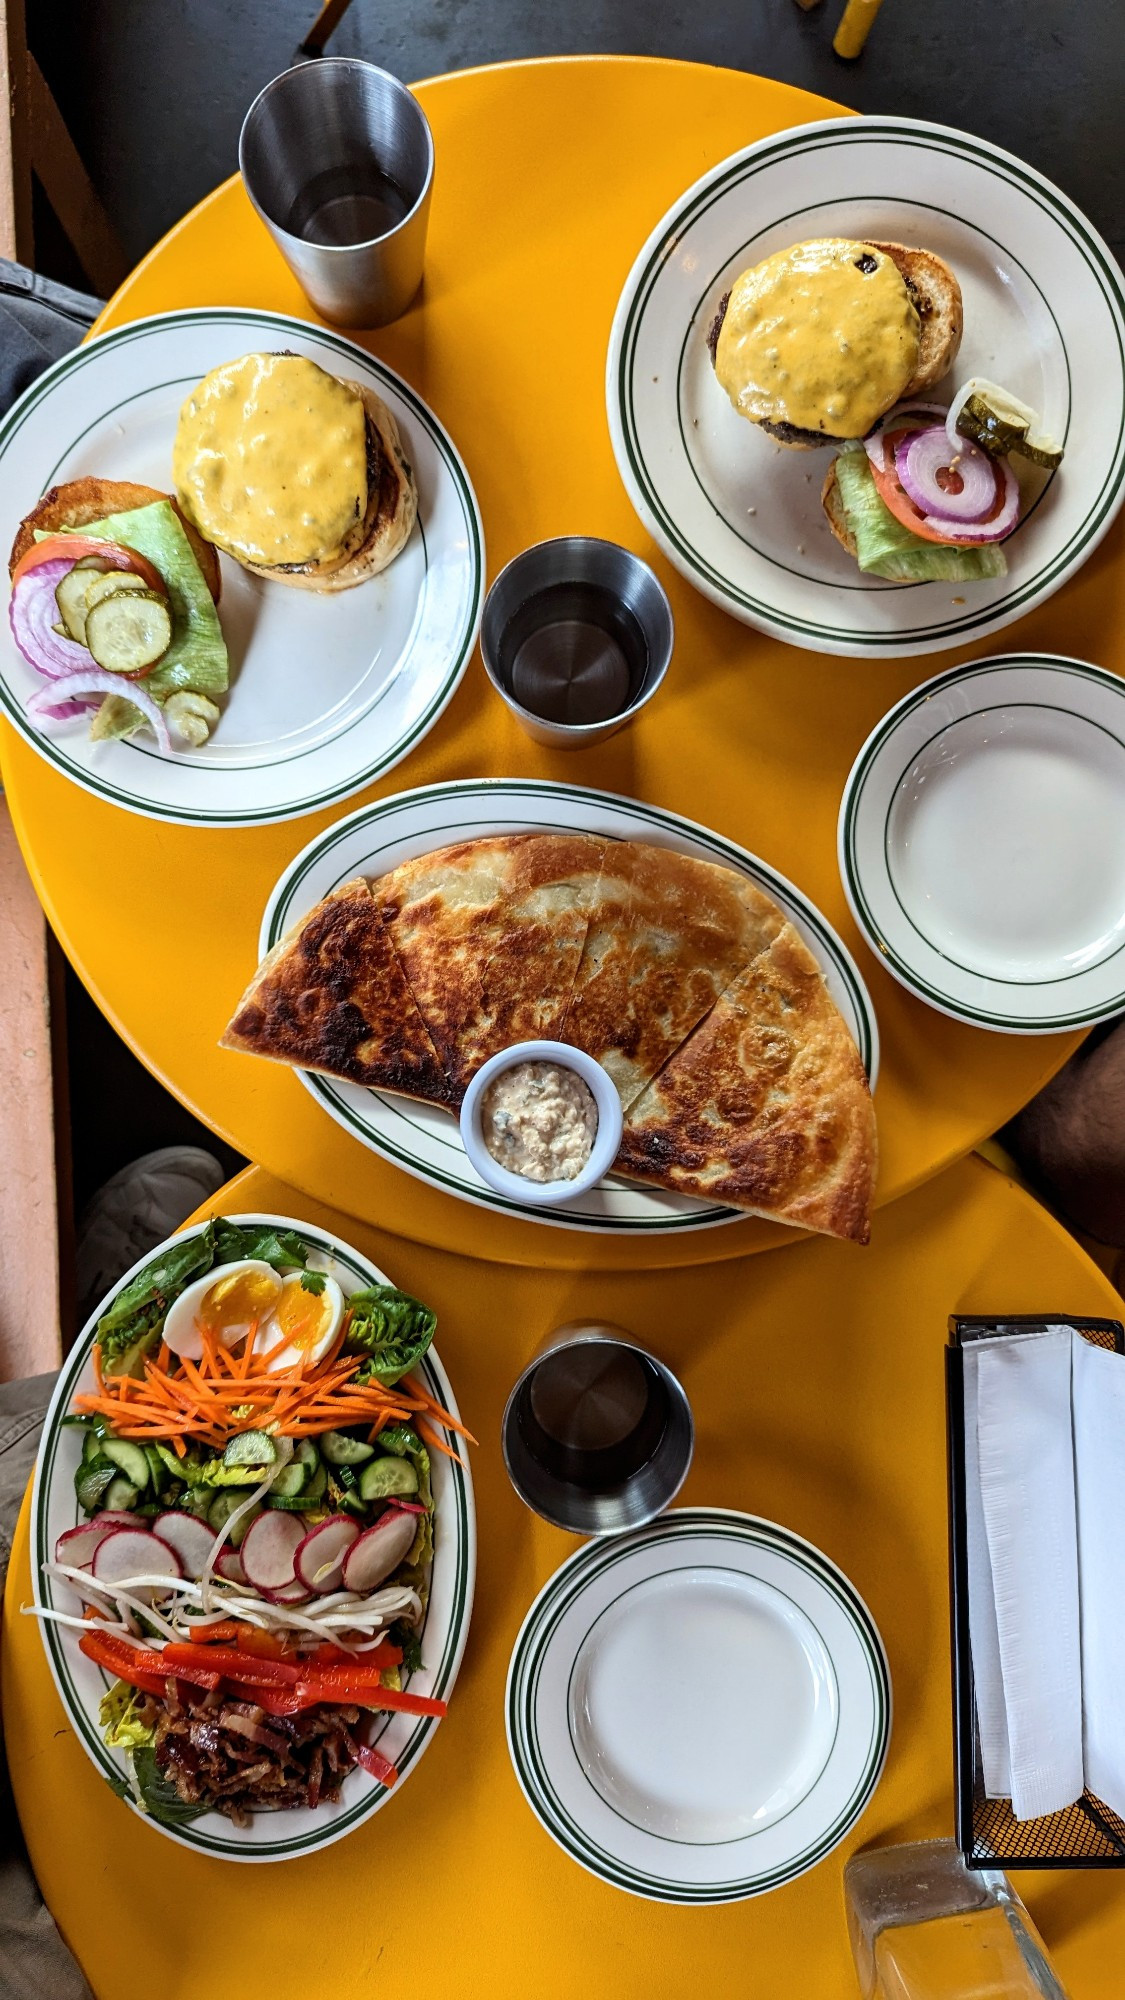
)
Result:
{"points": [[35, 1964], [1070, 1140]]}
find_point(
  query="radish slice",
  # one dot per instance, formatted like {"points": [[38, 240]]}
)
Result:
{"points": [[405, 1506], [229, 1565], [120, 1517], [319, 1561], [126, 1553], [78, 1545], [191, 1539], [290, 1593], [269, 1548], [380, 1550]]}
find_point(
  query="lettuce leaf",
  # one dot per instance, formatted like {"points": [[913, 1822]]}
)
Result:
{"points": [[885, 547], [279, 1247], [403, 1442], [120, 1717], [392, 1330], [197, 657], [132, 1326]]}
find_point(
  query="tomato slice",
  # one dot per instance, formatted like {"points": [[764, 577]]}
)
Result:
{"points": [[114, 554]]}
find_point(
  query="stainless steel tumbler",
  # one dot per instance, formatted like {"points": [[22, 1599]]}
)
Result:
{"points": [[338, 159]]}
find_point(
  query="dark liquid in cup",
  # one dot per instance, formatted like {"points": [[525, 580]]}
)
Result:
{"points": [[350, 204], [574, 653], [593, 1414]]}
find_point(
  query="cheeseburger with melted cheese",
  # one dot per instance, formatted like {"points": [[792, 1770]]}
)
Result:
{"points": [[299, 476], [821, 340]]}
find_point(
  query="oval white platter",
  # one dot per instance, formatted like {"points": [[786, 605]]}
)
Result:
{"points": [[278, 1836], [328, 690], [425, 1141], [738, 514]]}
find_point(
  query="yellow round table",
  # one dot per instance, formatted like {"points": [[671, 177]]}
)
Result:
{"points": [[550, 176], [817, 1382]]}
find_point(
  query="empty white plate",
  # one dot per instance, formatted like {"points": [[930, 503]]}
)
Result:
{"points": [[982, 843], [699, 1711], [739, 515]]}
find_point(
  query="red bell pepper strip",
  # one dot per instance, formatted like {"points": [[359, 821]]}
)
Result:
{"points": [[273, 1701], [237, 1665], [148, 1670], [339, 1686], [373, 1761]]}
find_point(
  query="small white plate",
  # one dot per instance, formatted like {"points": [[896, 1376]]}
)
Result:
{"points": [[328, 690], [276, 1836], [426, 1141], [740, 515], [982, 843], [699, 1711]]}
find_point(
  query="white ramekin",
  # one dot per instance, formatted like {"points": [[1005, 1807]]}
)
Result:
{"points": [[607, 1138]]}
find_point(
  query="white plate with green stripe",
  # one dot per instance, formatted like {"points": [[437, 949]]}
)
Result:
{"points": [[700, 1711], [328, 690], [426, 1141], [982, 843], [271, 1836], [1044, 314]]}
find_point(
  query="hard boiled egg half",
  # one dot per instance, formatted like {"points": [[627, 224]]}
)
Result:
{"points": [[288, 1322]]}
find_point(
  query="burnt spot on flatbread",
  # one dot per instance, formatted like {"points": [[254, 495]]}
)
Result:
{"points": [[332, 997]]}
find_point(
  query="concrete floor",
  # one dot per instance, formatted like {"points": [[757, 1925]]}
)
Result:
{"points": [[155, 90]]}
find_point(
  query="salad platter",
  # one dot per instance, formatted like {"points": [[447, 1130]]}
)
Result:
{"points": [[254, 1538], [420, 1136], [1041, 303], [306, 693]]}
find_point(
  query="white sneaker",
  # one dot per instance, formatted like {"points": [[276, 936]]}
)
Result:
{"points": [[134, 1210]]}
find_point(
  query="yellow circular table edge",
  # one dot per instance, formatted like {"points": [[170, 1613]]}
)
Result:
{"points": [[168, 993], [818, 1388]]}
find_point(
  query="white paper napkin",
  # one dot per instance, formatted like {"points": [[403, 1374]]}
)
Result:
{"points": [[1099, 1457], [984, 1639], [1026, 1462]]}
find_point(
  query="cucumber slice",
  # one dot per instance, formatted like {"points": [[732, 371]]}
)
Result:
{"points": [[129, 630], [307, 1454], [129, 1459], [157, 1470], [92, 1481], [250, 1448], [121, 1494], [290, 1481], [91, 1446], [341, 1450], [318, 1484], [387, 1476], [197, 1500], [296, 1503], [999, 423], [220, 1511]]}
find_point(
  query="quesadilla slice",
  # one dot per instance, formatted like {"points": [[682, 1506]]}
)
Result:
{"points": [[489, 935], [667, 935], [766, 1105], [331, 996]]}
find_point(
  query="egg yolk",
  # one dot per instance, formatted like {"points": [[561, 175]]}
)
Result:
{"points": [[237, 1301], [302, 1316]]}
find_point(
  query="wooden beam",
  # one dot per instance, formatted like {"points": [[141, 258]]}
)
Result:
{"points": [[16, 237], [57, 165], [30, 1326], [326, 23]]}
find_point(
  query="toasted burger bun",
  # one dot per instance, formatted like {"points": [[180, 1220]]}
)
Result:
{"points": [[81, 501], [834, 510], [936, 297], [392, 509]]}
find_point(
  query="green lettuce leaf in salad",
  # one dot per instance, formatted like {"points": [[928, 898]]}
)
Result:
{"points": [[392, 1331], [279, 1247], [405, 1637], [885, 547], [132, 1326], [196, 661], [156, 1794], [121, 1717]]}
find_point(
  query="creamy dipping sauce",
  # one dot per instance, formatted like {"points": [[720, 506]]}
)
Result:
{"points": [[823, 336], [539, 1120]]}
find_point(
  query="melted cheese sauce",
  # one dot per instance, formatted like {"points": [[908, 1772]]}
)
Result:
{"points": [[811, 338], [270, 459]]}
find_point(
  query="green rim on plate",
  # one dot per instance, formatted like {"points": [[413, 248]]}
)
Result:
{"points": [[647, 465], [377, 761], [594, 1563], [455, 1521], [852, 806]]}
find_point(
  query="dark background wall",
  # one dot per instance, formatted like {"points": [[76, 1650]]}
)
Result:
{"points": [[154, 90]]}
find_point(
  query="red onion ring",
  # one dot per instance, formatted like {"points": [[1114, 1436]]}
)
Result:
{"points": [[1003, 519], [920, 459], [32, 612], [96, 680]]}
